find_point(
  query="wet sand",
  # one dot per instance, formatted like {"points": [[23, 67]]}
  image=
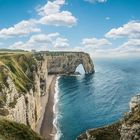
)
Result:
{"points": [[47, 128]]}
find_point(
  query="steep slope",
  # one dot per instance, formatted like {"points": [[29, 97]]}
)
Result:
{"points": [[21, 77]]}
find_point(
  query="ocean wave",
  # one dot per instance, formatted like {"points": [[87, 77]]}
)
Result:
{"points": [[58, 133]]}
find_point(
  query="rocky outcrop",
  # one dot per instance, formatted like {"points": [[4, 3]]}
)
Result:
{"points": [[130, 128], [67, 62], [126, 129]]}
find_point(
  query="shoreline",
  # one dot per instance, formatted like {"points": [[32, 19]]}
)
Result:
{"points": [[47, 129]]}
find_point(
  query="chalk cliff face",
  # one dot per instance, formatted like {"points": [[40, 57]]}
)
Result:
{"points": [[126, 129], [67, 62], [22, 82]]}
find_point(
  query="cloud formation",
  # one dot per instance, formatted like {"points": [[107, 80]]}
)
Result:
{"points": [[20, 29], [61, 43], [132, 43], [52, 15], [131, 30], [42, 42], [95, 43]]}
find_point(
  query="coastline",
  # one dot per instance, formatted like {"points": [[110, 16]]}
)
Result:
{"points": [[47, 128], [45, 125]]}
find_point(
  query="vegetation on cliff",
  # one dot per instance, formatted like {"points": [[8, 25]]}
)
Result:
{"points": [[15, 131], [16, 66], [17, 70]]}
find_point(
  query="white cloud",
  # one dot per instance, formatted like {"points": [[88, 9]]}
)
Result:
{"points": [[61, 43], [95, 1], [42, 42], [95, 43], [22, 28], [131, 30], [51, 7], [98, 48], [129, 48], [131, 44], [93, 46], [52, 15], [42, 38]]}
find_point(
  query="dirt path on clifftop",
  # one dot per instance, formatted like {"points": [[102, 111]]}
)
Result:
{"points": [[47, 123]]}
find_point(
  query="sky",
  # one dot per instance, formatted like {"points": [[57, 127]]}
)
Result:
{"points": [[99, 27]]}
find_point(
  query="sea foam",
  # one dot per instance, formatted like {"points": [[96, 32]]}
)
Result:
{"points": [[58, 133]]}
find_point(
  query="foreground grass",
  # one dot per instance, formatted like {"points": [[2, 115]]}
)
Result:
{"points": [[15, 131]]}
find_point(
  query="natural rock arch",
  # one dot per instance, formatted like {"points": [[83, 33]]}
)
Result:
{"points": [[80, 69], [67, 62]]}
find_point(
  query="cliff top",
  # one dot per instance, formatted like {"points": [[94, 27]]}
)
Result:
{"points": [[15, 65], [57, 53]]}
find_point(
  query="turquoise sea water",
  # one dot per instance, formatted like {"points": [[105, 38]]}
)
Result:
{"points": [[90, 101]]}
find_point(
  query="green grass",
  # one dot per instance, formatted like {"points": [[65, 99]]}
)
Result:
{"points": [[15, 66], [15, 131]]}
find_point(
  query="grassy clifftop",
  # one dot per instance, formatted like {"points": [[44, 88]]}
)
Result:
{"points": [[15, 131], [18, 66]]}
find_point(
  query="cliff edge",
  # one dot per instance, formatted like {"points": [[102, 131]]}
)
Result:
{"points": [[22, 82]]}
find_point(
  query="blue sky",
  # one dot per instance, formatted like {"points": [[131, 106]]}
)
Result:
{"points": [[99, 27]]}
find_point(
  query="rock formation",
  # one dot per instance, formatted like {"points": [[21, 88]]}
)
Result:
{"points": [[67, 62], [126, 129], [23, 80]]}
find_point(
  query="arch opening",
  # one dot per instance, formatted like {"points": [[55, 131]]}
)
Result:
{"points": [[80, 69]]}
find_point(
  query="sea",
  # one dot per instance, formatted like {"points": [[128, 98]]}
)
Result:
{"points": [[91, 101]]}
